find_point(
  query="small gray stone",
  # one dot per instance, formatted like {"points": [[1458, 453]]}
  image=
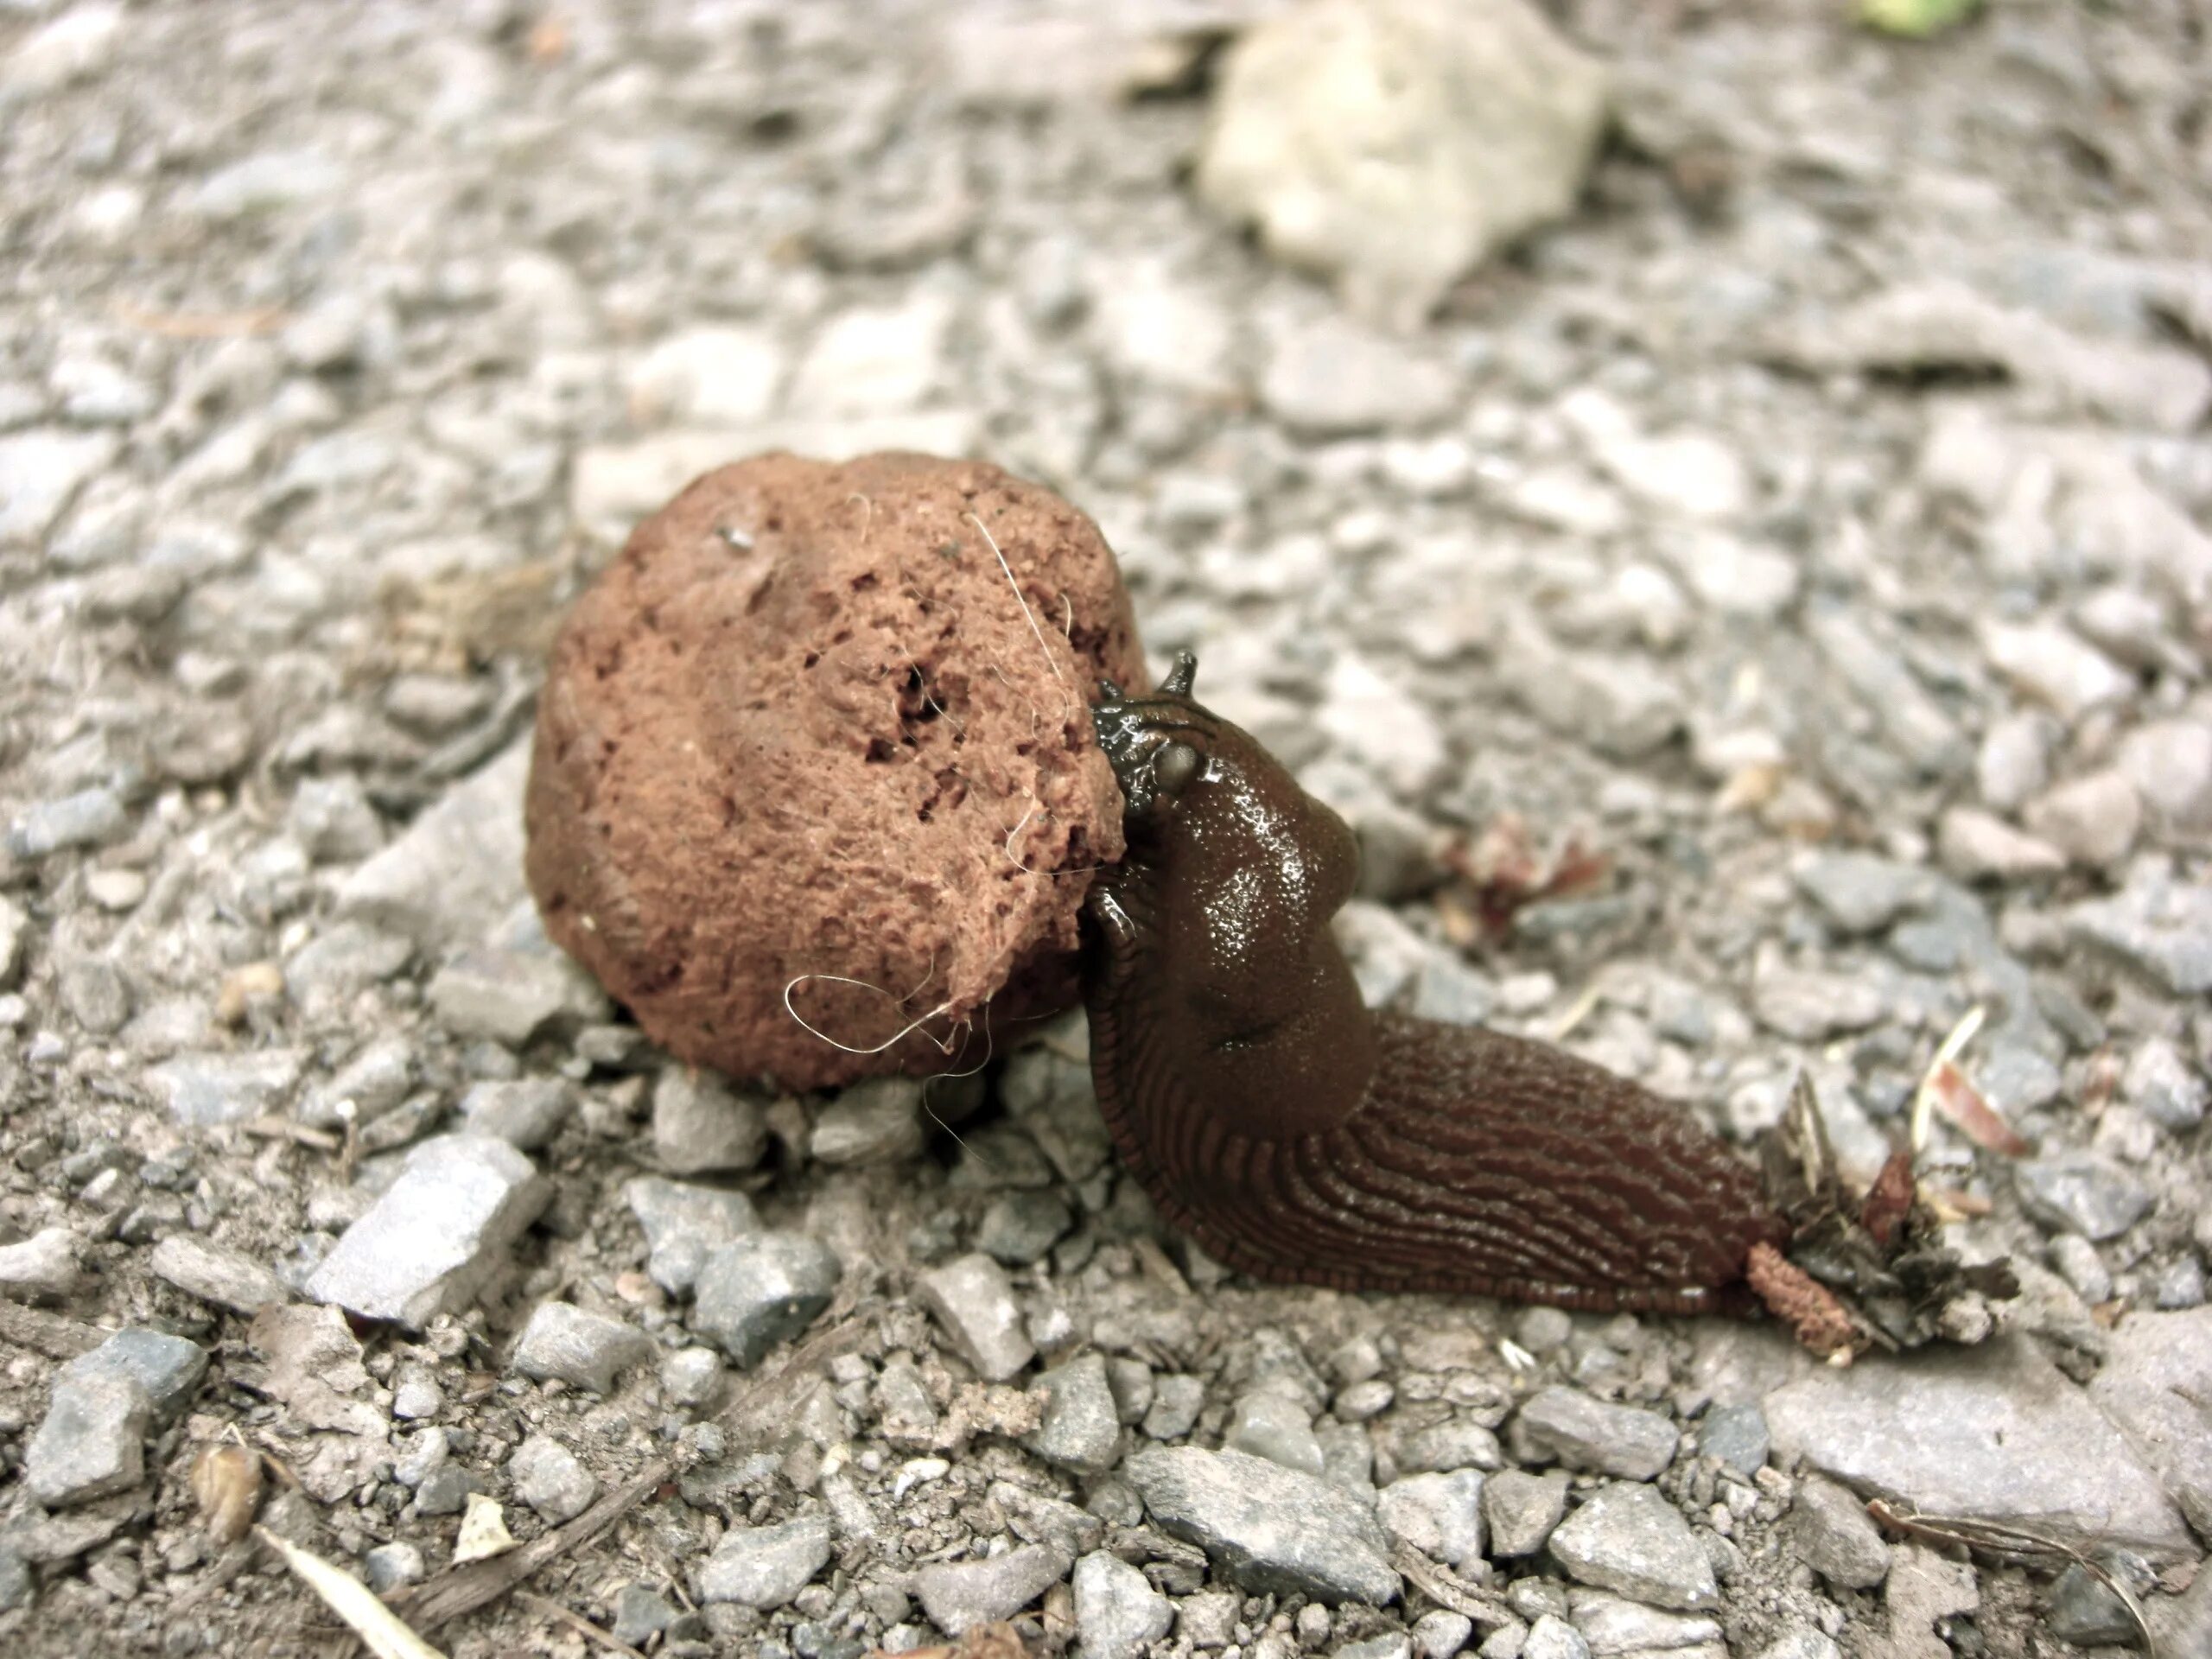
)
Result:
{"points": [[1859, 893], [961, 1595], [583, 1350], [2083, 1192], [1453, 1444], [975, 1303], [2164, 1086], [2049, 664], [2155, 1374], [1268, 1423], [1629, 1539], [1586, 1434], [1994, 1431], [457, 871], [392, 1567], [1976, 846], [2181, 1284], [755, 1292], [548, 1476], [168, 1368], [524, 1112], [1442, 1516], [1736, 1435], [1612, 1625], [343, 960], [436, 1234], [1522, 1509], [1176, 1402], [1552, 1637], [2086, 1612], [1019, 1227], [1269, 1529], [1391, 1644], [1081, 1428], [1810, 1006], [88, 818], [217, 1275], [211, 1088], [691, 1377], [92, 1441], [877, 1122], [416, 1396], [508, 996], [1801, 1644], [702, 1125], [96, 994], [2014, 761], [1835, 1537], [2157, 925], [444, 1490], [1209, 1618], [2093, 820], [2170, 763], [1441, 1633], [684, 1223], [374, 1081], [42, 1268], [420, 1455], [1336, 377], [1118, 1615], [640, 1614], [333, 819]]}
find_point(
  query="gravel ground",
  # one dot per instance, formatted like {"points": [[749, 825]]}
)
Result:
{"points": [[1807, 533]]}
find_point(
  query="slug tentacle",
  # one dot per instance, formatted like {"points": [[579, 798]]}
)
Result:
{"points": [[1296, 1136]]}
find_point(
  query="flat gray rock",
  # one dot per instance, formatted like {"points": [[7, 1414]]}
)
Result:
{"points": [[2082, 1192], [764, 1566], [1118, 1615], [1521, 1509], [585, 1350], [1834, 1535], [551, 1478], [684, 1223], [1995, 1432], [755, 1292], [524, 1112], [961, 1595], [214, 1274], [1081, 1429], [1440, 1515], [439, 1231], [92, 1441], [1629, 1539], [974, 1302], [1586, 1434], [201, 1089], [1270, 1529], [42, 1268], [2155, 1385], [456, 872], [702, 1125]]}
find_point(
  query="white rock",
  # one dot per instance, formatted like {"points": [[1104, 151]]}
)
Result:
{"points": [[2093, 820], [75, 45], [708, 375], [2054, 666], [40, 470], [1393, 144], [874, 360], [1686, 472]]}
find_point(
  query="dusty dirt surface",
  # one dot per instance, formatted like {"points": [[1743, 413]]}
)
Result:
{"points": [[1757, 623]]}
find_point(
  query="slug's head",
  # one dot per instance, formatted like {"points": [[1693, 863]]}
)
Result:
{"points": [[1159, 746]]}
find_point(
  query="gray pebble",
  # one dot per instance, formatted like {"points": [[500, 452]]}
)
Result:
{"points": [[2164, 1086], [640, 1614], [1176, 1402], [1552, 1637], [1440, 1633], [549, 1478], [1118, 1615], [205, 1089], [89, 818], [702, 1125], [214, 1274], [508, 996], [1834, 1535], [1737, 1435], [525, 1113], [91, 1442], [755, 1292], [1858, 892], [1611, 1624], [1439, 1515], [2085, 1610], [765, 1567], [585, 1350], [1081, 1429], [1268, 1423], [438, 1232], [2158, 926], [973, 1303], [683, 1224], [42, 1268], [1629, 1539], [691, 1377], [1019, 1227], [1586, 1434], [445, 1490], [878, 1122], [960, 1595], [2083, 1192], [1521, 1509], [391, 1566], [1269, 1529]]}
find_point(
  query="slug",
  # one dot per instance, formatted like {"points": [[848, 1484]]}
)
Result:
{"points": [[1300, 1138]]}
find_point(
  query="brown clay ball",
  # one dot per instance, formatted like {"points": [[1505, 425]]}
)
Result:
{"points": [[800, 740]]}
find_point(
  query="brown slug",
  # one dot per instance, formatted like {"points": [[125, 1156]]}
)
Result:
{"points": [[1300, 1138]]}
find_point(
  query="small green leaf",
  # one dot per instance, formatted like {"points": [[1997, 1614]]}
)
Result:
{"points": [[1916, 19]]}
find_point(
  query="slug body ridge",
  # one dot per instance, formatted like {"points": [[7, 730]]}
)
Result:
{"points": [[1299, 1137]]}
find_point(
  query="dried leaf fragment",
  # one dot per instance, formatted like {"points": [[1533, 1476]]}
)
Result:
{"points": [[226, 1484], [483, 1531]]}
